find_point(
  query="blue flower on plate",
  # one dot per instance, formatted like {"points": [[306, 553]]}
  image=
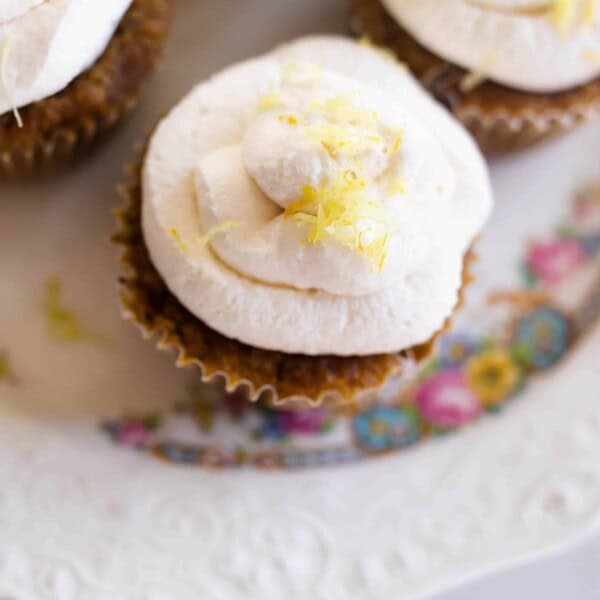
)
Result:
{"points": [[455, 349], [270, 426], [591, 244], [380, 428], [543, 337], [180, 453]]}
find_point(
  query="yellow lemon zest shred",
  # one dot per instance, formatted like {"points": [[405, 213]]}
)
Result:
{"points": [[591, 9], [398, 186], [338, 139], [563, 14], [302, 73], [349, 129], [343, 210], [367, 42], [397, 143], [271, 100], [290, 119], [221, 227], [8, 42], [341, 108], [476, 77], [174, 233]]}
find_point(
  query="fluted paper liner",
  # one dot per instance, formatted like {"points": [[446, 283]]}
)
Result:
{"points": [[500, 118], [60, 127], [289, 381]]}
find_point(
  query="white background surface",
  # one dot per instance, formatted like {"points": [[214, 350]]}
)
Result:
{"points": [[49, 427], [575, 574]]}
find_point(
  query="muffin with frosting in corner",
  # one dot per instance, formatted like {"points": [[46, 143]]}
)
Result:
{"points": [[515, 72], [69, 70], [301, 224]]}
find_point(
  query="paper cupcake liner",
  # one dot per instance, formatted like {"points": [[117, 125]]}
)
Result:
{"points": [[501, 119], [58, 128], [278, 379]]}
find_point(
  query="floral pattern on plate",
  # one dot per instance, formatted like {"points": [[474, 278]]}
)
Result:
{"points": [[472, 374]]}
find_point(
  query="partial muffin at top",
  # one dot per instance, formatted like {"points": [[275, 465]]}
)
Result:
{"points": [[514, 71], [302, 222], [69, 70]]}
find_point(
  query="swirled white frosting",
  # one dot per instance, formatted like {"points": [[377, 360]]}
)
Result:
{"points": [[47, 43], [9, 9], [531, 45], [246, 145]]}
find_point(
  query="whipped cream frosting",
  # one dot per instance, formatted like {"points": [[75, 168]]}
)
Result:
{"points": [[242, 178], [9, 9], [45, 44], [530, 45]]}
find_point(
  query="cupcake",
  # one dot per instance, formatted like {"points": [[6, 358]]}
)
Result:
{"points": [[515, 72], [69, 70], [301, 224]]}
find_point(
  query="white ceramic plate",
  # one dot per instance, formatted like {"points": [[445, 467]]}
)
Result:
{"points": [[82, 518]]}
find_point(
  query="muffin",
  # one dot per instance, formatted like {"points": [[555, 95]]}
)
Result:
{"points": [[69, 70], [301, 224], [515, 72]]}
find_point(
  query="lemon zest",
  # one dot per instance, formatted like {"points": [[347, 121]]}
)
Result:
{"points": [[62, 323], [174, 233], [591, 10], [301, 74], [343, 210], [290, 119], [271, 100], [340, 140], [478, 75], [386, 53], [344, 133], [341, 108], [397, 143], [398, 186], [563, 14], [8, 42], [221, 227]]}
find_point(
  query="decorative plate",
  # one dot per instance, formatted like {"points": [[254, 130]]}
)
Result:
{"points": [[122, 477]]}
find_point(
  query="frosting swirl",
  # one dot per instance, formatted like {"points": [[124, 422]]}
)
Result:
{"points": [[9, 9], [531, 45], [45, 44], [314, 201]]}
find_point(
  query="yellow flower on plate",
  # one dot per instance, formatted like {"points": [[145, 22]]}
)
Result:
{"points": [[62, 324], [492, 375]]}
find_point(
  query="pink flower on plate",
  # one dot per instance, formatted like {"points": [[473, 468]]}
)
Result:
{"points": [[307, 421], [446, 400], [133, 434], [554, 260]]}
